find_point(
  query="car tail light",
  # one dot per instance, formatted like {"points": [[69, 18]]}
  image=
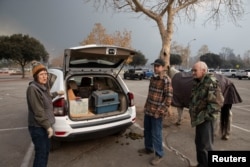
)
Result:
{"points": [[59, 107], [60, 133], [131, 99]]}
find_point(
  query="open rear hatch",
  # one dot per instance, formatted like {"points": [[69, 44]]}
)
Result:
{"points": [[95, 57], [99, 94]]}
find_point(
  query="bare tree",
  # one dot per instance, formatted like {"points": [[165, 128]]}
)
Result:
{"points": [[163, 13], [183, 51], [176, 48], [203, 50], [247, 58], [57, 61], [227, 53]]}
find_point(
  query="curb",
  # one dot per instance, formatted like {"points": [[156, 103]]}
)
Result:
{"points": [[28, 155]]}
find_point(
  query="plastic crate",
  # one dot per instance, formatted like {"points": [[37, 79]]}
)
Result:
{"points": [[105, 101]]}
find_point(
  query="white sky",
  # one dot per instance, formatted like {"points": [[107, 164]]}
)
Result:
{"points": [[59, 24]]}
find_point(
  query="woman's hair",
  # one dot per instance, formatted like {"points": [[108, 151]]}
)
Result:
{"points": [[35, 76]]}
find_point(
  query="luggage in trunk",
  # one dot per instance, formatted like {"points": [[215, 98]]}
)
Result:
{"points": [[105, 101]]}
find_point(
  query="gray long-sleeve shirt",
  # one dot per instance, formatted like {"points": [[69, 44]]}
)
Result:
{"points": [[40, 106]]}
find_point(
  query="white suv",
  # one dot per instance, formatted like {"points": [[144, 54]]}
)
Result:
{"points": [[103, 105], [229, 72]]}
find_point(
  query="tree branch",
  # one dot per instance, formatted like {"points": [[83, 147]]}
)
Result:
{"points": [[231, 8], [139, 8], [169, 6], [182, 5]]}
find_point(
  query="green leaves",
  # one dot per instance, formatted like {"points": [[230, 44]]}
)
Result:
{"points": [[22, 49]]}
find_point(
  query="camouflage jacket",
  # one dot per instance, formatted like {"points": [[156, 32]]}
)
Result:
{"points": [[206, 100]]}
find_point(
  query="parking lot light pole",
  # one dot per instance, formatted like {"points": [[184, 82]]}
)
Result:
{"points": [[188, 51]]}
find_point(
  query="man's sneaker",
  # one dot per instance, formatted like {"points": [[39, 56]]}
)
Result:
{"points": [[145, 151], [156, 160]]}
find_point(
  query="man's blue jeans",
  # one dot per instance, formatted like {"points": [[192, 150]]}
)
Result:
{"points": [[41, 142], [153, 134]]}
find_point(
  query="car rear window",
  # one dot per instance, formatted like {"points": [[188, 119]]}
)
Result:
{"points": [[51, 80]]}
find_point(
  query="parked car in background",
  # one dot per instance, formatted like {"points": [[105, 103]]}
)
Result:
{"points": [[210, 70], [147, 73], [231, 73], [4, 70], [240, 74], [134, 74], [218, 71], [103, 104]]}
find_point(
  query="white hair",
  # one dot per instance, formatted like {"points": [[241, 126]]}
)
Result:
{"points": [[203, 65]]}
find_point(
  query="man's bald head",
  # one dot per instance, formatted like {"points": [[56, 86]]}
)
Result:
{"points": [[199, 69]]}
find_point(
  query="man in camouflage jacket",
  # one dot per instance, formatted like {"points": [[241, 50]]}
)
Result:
{"points": [[206, 103]]}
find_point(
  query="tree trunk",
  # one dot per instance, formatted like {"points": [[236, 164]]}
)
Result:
{"points": [[167, 34], [23, 71]]}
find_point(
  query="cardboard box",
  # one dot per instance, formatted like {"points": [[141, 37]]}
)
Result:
{"points": [[105, 101]]}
